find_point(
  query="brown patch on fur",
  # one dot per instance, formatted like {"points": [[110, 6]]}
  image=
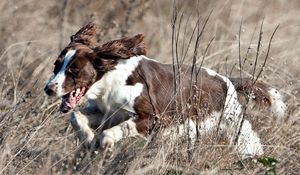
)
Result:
{"points": [[80, 72], [104, 65], [107, 55], [86, 35], [257, 92], [91, 63], [157, 101], [123, 48]]}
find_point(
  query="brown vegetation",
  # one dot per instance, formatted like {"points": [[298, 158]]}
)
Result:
{"points": [[36, 139]]}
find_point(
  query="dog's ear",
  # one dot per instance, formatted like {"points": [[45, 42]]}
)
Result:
{"points": [[86, 35], [123, 48], [104, 65], [106, 57]]}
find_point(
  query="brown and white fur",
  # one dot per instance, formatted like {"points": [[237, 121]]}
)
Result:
{"points": [[129, 94]]}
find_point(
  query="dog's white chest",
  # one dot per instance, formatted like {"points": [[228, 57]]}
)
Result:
{"points": [[123, 97], [112, 92]]}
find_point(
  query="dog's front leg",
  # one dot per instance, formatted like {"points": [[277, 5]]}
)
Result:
{"points": [[110, 136], [82, 122]]}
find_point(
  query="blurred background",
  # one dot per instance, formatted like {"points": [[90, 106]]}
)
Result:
{"points": [[36, 138]]}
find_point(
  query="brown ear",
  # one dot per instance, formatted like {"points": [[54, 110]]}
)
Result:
{"points": [[123, 48], [104, 65], [86, 35]]}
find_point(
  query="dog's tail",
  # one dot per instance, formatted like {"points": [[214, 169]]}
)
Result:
{"points": [[259, 95]]}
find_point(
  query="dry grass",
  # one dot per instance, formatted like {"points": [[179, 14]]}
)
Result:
{"points": [[36, 139]]}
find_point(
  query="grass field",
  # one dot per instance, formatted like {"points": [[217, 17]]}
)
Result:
{"points": [[37, 139]]}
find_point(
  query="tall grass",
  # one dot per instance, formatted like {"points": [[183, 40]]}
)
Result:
{"points": [[36, 139]]}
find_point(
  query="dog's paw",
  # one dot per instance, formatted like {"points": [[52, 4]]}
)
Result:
{"points": [[94, 145], [104, 141], [88, 142]]}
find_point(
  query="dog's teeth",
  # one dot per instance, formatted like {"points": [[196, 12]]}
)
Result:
{"points": [[77, 92]]}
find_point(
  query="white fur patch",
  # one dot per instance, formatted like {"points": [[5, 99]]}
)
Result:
{"points": [[60, 77], [210, 123], [118, 132], [111, 90], [150, 59], [187, 128], [232, 108], [277, 106], [190, 127], [80, 123], [248, 142]]}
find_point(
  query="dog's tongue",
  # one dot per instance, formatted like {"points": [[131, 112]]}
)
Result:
{"points": [[69, 101]]}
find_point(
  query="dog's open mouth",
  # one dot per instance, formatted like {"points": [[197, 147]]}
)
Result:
{"points": [[70, 100]]}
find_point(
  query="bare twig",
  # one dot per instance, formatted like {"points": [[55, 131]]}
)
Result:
{"points": [[267, 55], [61, 23], [258, 49]]}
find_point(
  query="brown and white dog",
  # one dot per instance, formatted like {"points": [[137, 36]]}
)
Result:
{"points": [[129, 94]]}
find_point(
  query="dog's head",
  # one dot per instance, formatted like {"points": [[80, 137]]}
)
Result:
{"points": [[83, 62]]}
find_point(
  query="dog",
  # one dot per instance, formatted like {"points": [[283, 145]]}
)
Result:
{"points": [[131, 95]]}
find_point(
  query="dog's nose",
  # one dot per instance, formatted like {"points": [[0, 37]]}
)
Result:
{"points": [[50, 89]]}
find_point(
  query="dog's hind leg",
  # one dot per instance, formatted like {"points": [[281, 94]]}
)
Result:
{"points": [[248, 143]]}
